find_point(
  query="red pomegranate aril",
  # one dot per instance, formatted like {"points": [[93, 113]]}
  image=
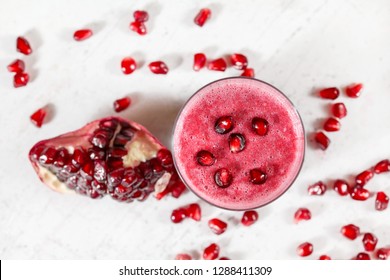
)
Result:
{"points": [[141, 16], [87, 170], [302, 214], [23, 46], [383, 253], [342, 187], [236, 142], [203, 15], [360, 194], [17, 66], [183, 257], [224, 259], [382, 166], [324, 258], [193, 211], [211, 252], [331, 125], [224, 125], [363, 257], [318, 188], [217, 226], [305, 249], [223, 178], [322, 140], [369, 242], [205, 158], [199, 61], [47, 156], [82, 34], [248, 72], [350, 231], [339, 110], [381, 201], [257, 176], [21, 79], [138, 27], [177, 189], [158, 67], [362, 178], [329, 93], [128, 65], [38, 117], [249, 218], [217, 65], [121, 104], [239, 61], [354, 90], [165, 156], [178, 215], [260, 126], [79, 157]]}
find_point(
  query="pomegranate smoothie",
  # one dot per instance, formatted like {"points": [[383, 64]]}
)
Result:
{"points": [[238, 143]]}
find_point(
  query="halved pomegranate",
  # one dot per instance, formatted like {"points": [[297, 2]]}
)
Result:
{"points": [[110, 156]]}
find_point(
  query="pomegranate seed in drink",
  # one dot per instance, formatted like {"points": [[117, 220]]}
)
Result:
{"points": [[138, 27], [17, 66], [38, 117], [141, 16], [382, 166], [360, 194], [302, 214], [342, 187], [257, 176], [239, 61], [82, 34], [217, 65], [203, 15], [350, 231], [178, 215], [223, 178], [339, 110], [381, 201], [362, 178], [236, 142], [322, 140], [205, 158], [183, 257], [305, 249], [249, 218], [331, 125], [329, 93], [199, 61], [369, 242], [318, 188], [158, 67], [128, 65], [211, 252], [382, 253], [248, 72], [224, 125], [122, 104], [363, 257], [354, 90], [23, 46], [217, 226], [324, 258], [193, 211], [260, 126], [21, 79]]}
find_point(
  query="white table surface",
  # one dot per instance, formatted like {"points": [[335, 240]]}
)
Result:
{"points": [[297, 46]]}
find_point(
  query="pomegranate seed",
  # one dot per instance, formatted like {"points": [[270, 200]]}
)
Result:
{"points": [[178, 189], [23, 46], [121, 104], [362, 178], [158, 67], [224, 259], [239, 61], [257, 176], [82, 34], [369, 242], [21, 79], [223, 178], [350, 231], [217, 65], [17, 66], [193, 211], [354, 90], [217, 226], [360, 194], [248, 72], [141, 16], [211, 252], [260, 126], [249, 218], [363, 257], [322, 140], [331, 125], [199, 61], [38, 117], [202, 16], [381, 201], [318, 188], [224, 125], [178, 215], [165, 156], [341, 187], [138, 27], [324, 258], [205, 158], [183, 257], [236, 142], [382, 166], [383, 253], [302, 214], [339, 110], [305, 249], [329, 93], [128, 65]]}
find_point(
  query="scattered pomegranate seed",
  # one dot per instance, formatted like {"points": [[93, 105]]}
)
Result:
{"points": [[302, 214], [360, 194], [38, 117], [223, 178], [236, 142], [305, 249], [322, 140], [249, 218], [193, 211], [257, 176], [318, 188], [82, 34], [205, 158], [339, 110], [224, 125], [329, 93], [178, 215], [217, 226], [122, 104], [23, 46], [354, 90], [128, 65], [382, 166], [260, 126], [350, 231], [211, 252], [158, 67], [203, 15], [369, 242], [248, 72], [362, 178], [382, 253], [342, 187], [141, 16], [21, 79], [324, 258], [138, 27], [331, 125], [17, 66], [183, 257], [224, 259], [381, 201], [239, 61], [178, 189], [363, 257], [199, 61], [217, 65]]}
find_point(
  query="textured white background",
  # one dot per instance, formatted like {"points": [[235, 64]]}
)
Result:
{"points": [[296, 45]]}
